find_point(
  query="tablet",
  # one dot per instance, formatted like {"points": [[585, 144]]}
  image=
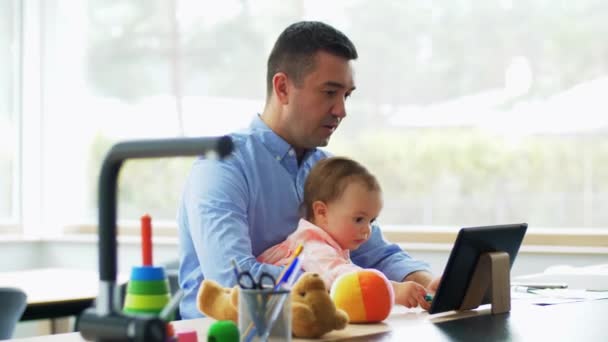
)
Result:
{"points": [[470, 244]]}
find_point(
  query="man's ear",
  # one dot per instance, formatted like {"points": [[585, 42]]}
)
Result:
{"points": [[319, 210], [280, 85]]}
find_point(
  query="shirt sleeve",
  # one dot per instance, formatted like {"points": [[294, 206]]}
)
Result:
{"points": [[386, 257], [321, 258], [216, 202]]}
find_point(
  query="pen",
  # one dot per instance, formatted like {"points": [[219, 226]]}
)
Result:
{"points": [[286, 277], [289, 274], [236, 270], [525, 289], [540, 285], [170, 308]]}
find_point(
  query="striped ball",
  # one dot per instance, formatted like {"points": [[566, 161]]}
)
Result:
{"points": [[366, 295]]}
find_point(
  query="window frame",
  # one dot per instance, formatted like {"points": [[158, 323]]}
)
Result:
{"points": [[12, 224]]}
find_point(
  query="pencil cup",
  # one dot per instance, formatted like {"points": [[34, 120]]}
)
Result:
{"points": [[147, 291], [264, 315]]}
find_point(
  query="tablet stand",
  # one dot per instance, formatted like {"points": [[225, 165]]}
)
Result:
{"points": [[493, 271]]}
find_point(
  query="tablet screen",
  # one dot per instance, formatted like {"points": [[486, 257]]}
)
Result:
{"points": [[470, 244]]}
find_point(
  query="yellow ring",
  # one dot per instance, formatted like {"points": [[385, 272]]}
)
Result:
{"points": [[146, 302]]}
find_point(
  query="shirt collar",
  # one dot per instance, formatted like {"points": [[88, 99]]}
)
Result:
{"points": [[276, 145]]}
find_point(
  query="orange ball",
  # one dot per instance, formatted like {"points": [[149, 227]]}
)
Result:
{"points": [[366, 295]]}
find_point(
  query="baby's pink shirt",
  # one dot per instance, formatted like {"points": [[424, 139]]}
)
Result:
{"points": [[321, 253]]}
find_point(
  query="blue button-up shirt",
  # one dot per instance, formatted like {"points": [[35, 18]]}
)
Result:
{"points": [[236, 208]]}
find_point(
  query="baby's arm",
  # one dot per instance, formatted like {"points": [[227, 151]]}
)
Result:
{"points": [[410, 294]]}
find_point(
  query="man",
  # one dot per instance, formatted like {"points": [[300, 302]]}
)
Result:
{"points": [[236, 208]]}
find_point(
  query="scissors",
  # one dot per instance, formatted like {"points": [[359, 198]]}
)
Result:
{"points": [[265, 281]]}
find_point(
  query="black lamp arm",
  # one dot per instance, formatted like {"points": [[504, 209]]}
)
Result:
{"points": [[112, 163]]}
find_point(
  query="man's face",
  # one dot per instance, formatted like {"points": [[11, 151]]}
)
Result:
{"points": [[316, 106]]}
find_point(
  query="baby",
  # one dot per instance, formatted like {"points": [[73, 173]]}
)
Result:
{"points": [[341, 201]]}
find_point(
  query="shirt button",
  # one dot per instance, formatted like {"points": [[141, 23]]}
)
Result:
{"points": [[278, 157], [291, 153]]}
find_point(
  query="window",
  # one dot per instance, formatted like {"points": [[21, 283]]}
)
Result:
{"points": [[469, 112], [9, 118]]}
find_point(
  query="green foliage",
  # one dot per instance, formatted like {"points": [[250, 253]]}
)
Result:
{"points": [[413, 52], [149, 186], [448, 176]]}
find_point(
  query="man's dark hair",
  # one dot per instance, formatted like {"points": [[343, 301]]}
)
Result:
{"points": [[295, 49]]}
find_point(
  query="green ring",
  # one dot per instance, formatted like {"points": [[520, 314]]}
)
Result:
{"points": [[150, 287], [146, 302], [141, 312]]}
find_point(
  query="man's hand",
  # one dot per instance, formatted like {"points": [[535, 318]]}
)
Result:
{"points": [[410, 294]]}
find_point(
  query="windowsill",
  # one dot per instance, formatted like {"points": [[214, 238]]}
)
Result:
{"points": [[11, 238], [126, 240], [431, 239], [525, 249], [537, 240]]}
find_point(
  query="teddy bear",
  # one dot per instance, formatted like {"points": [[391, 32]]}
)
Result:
{"points": [[313, 312], [218, 302]]}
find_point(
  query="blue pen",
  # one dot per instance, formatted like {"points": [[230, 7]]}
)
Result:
{"points": [[287, 276], [290, 268]]}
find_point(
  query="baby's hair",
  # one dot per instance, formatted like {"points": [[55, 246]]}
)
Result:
{"points": [[328, 179]]}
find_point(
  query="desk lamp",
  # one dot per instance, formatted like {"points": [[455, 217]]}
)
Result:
{"points": [[106, 322]]}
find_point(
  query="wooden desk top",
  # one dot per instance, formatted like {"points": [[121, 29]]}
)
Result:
{"points": [[584, 321]]}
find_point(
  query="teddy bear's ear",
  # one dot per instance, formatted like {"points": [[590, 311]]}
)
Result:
{"points": [[216, 302]]}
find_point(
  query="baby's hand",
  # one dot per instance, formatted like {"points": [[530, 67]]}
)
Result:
{"points": [[434, 284], [410, 294]]}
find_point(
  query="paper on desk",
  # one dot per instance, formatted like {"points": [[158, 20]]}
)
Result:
{"points": [[533, 298], [572, 294], [593, 277], [557, 296]]}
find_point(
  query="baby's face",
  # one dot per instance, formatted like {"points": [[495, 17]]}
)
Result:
{"points": [[349, 218]]}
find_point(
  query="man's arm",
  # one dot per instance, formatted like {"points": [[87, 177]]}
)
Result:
{"points": [[388, 258], [216, 202]]}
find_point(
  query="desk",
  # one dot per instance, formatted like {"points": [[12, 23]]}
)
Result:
{"points": [[582, 321], [54, 292]]}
